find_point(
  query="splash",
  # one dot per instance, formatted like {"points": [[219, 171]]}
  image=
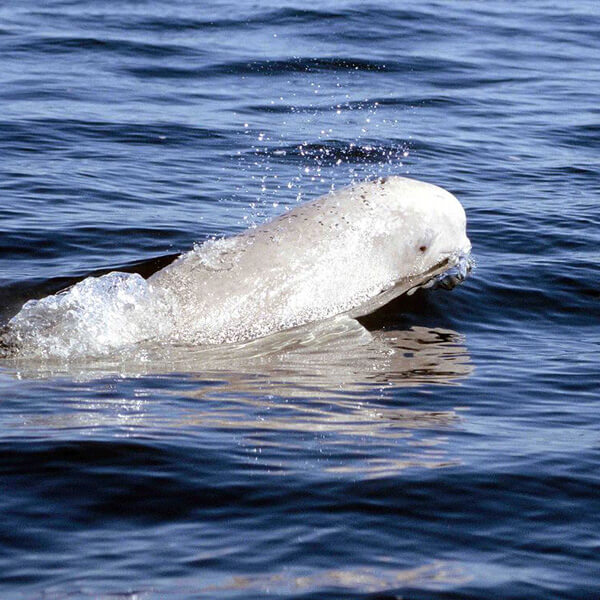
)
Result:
{"points": [[95, 316]]}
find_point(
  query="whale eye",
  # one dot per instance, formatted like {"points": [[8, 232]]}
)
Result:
{"points": [[422, 248]]}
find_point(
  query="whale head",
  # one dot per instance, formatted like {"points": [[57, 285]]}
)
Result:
{"points": [[423, 240], [428, 222]]}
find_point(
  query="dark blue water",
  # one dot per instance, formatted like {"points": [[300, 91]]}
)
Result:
{"points": [[466, 464]]}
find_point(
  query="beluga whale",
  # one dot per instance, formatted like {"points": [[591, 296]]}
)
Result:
{"points": [[348, 253]]}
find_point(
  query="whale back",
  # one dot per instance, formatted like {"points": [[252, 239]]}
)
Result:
{"points": [[329, 256], [349, 251]]}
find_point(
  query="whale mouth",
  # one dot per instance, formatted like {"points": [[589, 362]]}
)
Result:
{"points": [[446, 274], [455, 275], [460, 267]]}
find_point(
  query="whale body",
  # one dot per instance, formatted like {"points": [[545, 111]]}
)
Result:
{"points": [[347, 252]]}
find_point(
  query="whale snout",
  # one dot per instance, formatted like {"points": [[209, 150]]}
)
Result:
{"points": [[455, 275]]}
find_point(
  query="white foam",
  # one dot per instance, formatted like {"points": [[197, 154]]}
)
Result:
{"points": [[93, 317]]}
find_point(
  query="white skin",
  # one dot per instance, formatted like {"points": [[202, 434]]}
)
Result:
{"points": [[333, 255], [349, 251]]}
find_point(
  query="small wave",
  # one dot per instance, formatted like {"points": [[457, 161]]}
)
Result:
{"points": [[331, 152], [303, 64], [263, 67], [43, 135], [371, 104], [123, 47], [280, 16], [575, 136]]}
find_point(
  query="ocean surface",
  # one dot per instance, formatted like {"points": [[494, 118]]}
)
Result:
{"points": [[450, 450]]}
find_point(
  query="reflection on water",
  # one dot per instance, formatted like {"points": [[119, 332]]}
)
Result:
{"points": [[437, 575], [334, 356], [277, 430], [362, 580], [333, 383]]}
